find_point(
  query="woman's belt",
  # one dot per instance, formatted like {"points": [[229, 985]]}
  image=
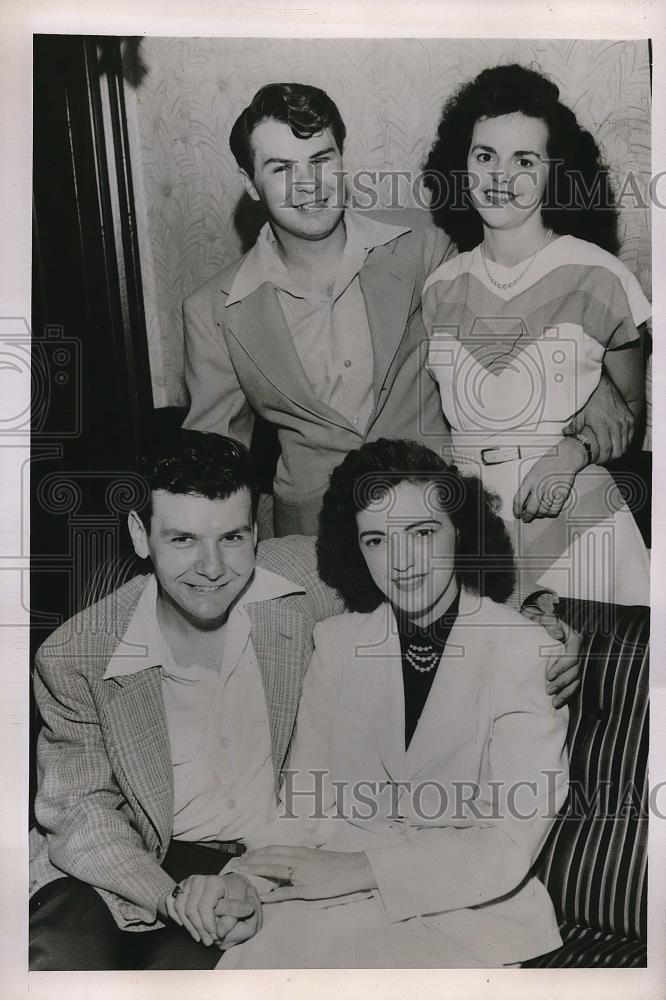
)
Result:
{"points": [[495, 456], [485, 454]]}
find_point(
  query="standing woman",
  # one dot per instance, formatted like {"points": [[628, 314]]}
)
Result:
{"points": [[523, 322]]}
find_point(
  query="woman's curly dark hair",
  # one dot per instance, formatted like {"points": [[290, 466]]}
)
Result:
{"points": [[484, 555], [578, 200]]}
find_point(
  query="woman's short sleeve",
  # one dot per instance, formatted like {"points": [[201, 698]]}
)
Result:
{"points": [[615, 305]]}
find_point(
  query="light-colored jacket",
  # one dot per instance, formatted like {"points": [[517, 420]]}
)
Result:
{"points": [[240, 361], [105, 785], [480, 783]]}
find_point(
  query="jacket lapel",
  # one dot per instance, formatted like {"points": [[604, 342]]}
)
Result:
{"points": [[259, 326], [136, 720], [379, 690], [282, 641], [387, 282], [467, 647]]}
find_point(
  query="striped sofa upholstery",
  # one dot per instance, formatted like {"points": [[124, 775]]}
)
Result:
{"points": [[595, 861]]}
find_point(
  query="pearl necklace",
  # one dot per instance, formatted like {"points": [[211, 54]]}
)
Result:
{"points": [[422, 658], [503, 285]]}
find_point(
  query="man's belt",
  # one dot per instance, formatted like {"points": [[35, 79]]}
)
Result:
{"points": [[495, 456], [232, 847]]}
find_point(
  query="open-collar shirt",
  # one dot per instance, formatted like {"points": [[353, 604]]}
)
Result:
{"points": [[217, 720], [330, 331]]}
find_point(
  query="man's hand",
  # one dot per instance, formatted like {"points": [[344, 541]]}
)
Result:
{"points": [[313, 873], [216, 909], [563, 669], [609, 417]]}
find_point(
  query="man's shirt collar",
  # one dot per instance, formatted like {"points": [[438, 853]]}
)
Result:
{"points": [[264, 264], [143, 644]]}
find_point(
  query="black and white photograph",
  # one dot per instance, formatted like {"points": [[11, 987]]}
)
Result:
{"points": [[340, 500]]}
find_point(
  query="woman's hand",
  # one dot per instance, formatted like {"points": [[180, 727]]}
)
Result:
{"points": [[546, 487], [216, 909], [313, 873]]}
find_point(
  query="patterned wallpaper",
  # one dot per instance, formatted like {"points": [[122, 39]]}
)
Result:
{"points": [[389, 92]]}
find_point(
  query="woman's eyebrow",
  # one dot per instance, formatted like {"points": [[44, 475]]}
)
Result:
{"points": [[528, 152], [516, 152], [399, 523]]}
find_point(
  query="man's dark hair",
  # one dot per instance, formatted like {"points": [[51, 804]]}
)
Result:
{"points": [[306, 110], [483, 558], [197, 464], [578, 200]]}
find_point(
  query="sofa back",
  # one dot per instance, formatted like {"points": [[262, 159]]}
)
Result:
{"points": [[595, 861]]}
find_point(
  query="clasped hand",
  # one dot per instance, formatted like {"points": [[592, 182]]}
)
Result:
{"points": [[547, 485], [216, 909], [312, 873]]}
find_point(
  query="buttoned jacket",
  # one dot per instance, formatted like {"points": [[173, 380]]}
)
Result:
{"points": [[452, 825]]}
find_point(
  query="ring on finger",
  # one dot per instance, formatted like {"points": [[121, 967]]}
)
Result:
{"points": [[177, 891]]}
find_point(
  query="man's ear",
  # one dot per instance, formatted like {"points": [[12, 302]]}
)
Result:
{"points": [[248, 184], [255, 534], [138, 535]]}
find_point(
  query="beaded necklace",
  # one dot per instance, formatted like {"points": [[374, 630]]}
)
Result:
{"points": [[503, 285]]}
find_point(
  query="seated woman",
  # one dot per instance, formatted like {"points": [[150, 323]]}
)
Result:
{"points": [[428, 762]]}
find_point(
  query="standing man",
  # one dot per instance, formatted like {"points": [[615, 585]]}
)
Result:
{"points": [[318, 328], [167, 712]]}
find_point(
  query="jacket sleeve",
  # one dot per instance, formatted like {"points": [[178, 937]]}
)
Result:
{"points": [[83, 813], [489, 847], [217, 401]]}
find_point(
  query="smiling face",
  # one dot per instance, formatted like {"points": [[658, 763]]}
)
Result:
{"points": [[408, 544], [203, 554], [508, 167], [298, 181]]}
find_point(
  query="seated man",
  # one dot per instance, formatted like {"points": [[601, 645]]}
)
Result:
{"points": [[168, 708]]}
